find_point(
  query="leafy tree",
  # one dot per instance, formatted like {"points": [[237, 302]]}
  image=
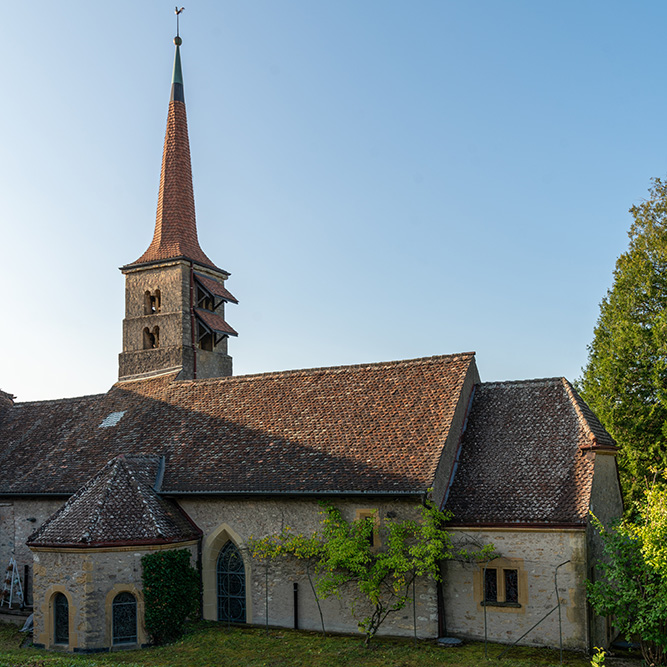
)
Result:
{"points": [[171, 593], [633, 589], [344, 557], [625, 379]]}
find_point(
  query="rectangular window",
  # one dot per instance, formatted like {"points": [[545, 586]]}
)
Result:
{"points": [[371, 516], [490, 585], [511, 586], [501, 587]]}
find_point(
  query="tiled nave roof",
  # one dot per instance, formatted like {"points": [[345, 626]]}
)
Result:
{"points": [[375, 428], [368, 428]]}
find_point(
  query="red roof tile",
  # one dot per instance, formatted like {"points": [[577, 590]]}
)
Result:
{"points": [[117, 507], [521, 460], [377, 428], [215, 288], [215, 322], [175, 225]]}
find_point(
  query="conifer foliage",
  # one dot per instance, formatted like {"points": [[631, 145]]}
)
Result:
{"points": [[625, 379]]}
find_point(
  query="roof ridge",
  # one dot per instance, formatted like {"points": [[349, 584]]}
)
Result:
{"points": [[53, 401], [578, 404], [95, 518], [554, 379], [141, 493], [317, 369]]}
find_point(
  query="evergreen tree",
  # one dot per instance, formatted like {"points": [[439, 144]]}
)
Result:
{"points": [[625, 379]]}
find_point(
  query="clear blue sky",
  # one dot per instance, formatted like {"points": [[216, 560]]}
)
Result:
{"points": [[383, 179]]}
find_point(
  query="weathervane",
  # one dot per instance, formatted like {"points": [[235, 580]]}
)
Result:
{"points": [[178, 12]]}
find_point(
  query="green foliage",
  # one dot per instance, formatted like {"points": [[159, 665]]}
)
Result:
{"points": [[633, 588], [625, 379], [598, 657], [171, 593], [309, 550], [343, 556]]}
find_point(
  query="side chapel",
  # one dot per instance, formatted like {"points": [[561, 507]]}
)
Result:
{"points": [[181, 454]]}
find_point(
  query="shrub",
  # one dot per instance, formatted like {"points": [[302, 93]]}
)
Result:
{"points": [[633, 589], [171, 593]]}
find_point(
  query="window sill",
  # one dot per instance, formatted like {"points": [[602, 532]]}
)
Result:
{"points": [[488, 603]]}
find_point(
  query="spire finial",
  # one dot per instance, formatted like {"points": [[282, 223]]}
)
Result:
{"points": [[177, 40], [177, 78]]}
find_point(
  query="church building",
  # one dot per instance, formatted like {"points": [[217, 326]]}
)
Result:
{"points": [[182, 454]]}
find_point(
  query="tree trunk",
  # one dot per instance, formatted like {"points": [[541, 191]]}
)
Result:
{"points": [[317, 599], [653, 655]]}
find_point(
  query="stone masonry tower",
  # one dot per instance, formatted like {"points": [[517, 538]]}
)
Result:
{"points": [[174, 294]]}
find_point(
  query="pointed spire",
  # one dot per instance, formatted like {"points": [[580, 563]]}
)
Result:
{"points": [[177, 94], [175, 233]]}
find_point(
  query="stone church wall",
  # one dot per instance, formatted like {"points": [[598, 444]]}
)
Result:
{"points": [[19, 518], [240, 519], [534, 554]]}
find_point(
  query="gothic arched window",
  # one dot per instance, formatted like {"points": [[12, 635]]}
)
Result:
{"points": [[231, 585]]}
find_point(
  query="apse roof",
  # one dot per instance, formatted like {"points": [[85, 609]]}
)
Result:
{"points": [[117, 507]]}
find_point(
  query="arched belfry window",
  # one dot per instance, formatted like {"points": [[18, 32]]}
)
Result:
{"points": [[152, 302], [151, 338], [231, 585], [60, 619], [124, 619]]}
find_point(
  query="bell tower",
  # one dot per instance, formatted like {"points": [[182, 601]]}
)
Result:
{"points": [[175, 296]]}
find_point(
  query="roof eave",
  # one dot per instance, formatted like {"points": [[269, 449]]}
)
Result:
{"points": [[108, 544], [185, 258], [417, 493], [534, 525]]}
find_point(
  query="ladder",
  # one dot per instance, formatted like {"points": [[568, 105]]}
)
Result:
{"points": [[12, 590]]}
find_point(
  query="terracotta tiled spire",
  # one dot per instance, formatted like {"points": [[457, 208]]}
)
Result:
{"points": [[175, 225]]}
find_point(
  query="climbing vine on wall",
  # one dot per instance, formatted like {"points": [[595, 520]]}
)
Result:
{"points": [[171, 593], [377, 577]]}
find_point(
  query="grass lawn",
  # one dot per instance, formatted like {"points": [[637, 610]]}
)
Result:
{"points": [[212, 644]]}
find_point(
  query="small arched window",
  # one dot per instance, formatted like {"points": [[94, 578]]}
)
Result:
{"points": [[152, 302], [151, 338], [124, 619], [60, 619]]}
